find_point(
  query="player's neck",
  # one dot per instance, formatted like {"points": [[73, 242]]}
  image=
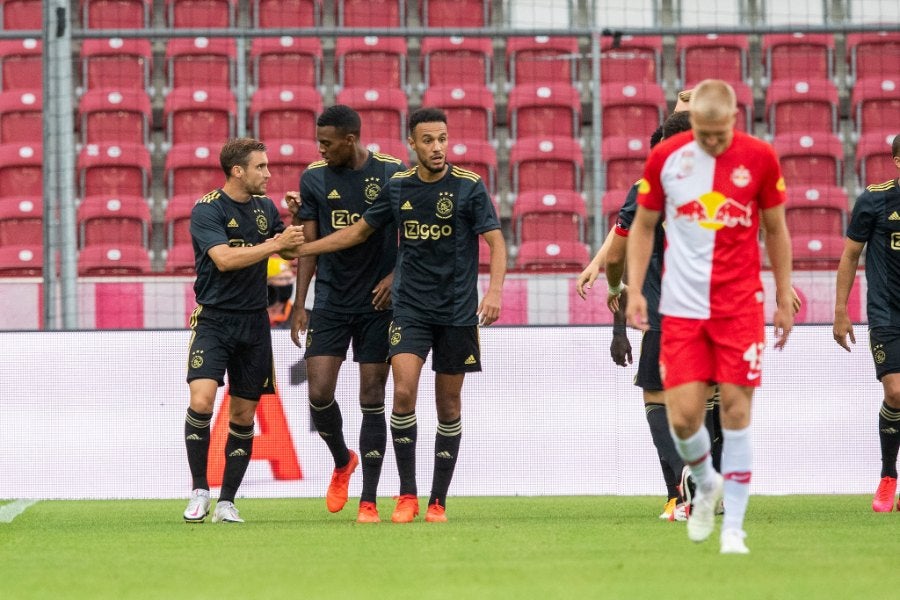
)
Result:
{"points": [[429, 176], [360, 157], [236, 192]]}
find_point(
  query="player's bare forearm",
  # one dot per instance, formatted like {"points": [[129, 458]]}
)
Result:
{"points": [[227, 258], [497, 245], [339, 240], [778, 246], [842, 329]]}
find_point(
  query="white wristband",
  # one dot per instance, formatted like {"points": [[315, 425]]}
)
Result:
{"points": [[615, 291]]}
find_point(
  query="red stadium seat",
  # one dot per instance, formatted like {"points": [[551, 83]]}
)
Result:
{"points": [[633, 110], [624, 158], [873, 158], [478, 156], [820, 250], [631, 59], [119, 170], [21, 64], [289, 112], [744, 121], [200, 62], [712, 55], [287, 160], [542, 60], [180, 260], [21, 117], [115, 116], [193, 170], [116, 14], [875, 105], [21, 220], [815, 158], [543, 110], [265, 14], [382, 111], [873, 55], [286, 62], [538, 164], [802, 106], [22, 14], [113, 220], [611, 204], [549, 215], [457, 61], [25, 260], [100, 260], [370, 13], [390, 146], [798, 56], [370, 62], [199, 116], [200, 13], [816, 209], [177, 220], [455, 13], [20, 170], [116, 63], [471, 110], [543, 255]]}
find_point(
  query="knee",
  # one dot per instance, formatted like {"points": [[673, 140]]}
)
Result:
{"points": [[404, 399]]}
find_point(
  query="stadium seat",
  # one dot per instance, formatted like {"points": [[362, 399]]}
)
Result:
{"points": [[113, 220], [180, 260], [875, 105], [820, 250], [484, 256], [620, 15], [177, 220], [286, 61], [390, 146], [116, 63], [115, 116], [199, 116], [21, 14], [265, 14], [699, 13], [478, 156], [798, 56], [21, 117], [611, 204], [543, 110], [455, 13], [193, 170], [553, 216], [814, 158], [200, 63], [542, 60], [702, 56], [21, 64], [200, 13], [744, 121], [457, 61], [624, 158], [868, 54], [543, 255], [873, 158], [382, 111], [539, 164], [803, 106], [370, 13], [119, 170], [25, 260], [288, 112], [633, 110], [370, 62], [20, 170], [287, 160], [116, 14], [21, 220], [470, 109], [540, 14], [631, 59], [816, 209], [101, 260]]}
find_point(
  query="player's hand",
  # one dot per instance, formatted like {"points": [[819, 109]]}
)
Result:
{"points": [[299, 322], [381, 295], [613, 300], [489, 308], [586, 280], [841, 330], [620, 349], [784, 322], [292, 200], [636, 310], [290, 239]]}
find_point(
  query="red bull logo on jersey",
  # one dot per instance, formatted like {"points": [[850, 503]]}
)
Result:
{"points": [[714, 211], [740, 177]]}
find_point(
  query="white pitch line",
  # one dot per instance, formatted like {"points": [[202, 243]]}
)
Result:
{"points": [[10, 511]]}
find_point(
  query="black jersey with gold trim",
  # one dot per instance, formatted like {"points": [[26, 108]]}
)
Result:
{"points": [[337, 198], [436, 280], [875, 221], [217, 219]]}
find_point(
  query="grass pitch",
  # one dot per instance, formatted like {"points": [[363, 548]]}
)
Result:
{"points": [[507, 547]]}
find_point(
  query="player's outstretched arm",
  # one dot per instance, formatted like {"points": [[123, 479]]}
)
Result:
{"points": [[846, 274], [339, 240], [586, 279]]}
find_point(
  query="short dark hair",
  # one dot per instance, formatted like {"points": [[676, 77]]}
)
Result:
{"points": [[656, 137], [895, 147], [426, 114], [676, 123], [236, 153], [342, 118]]}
